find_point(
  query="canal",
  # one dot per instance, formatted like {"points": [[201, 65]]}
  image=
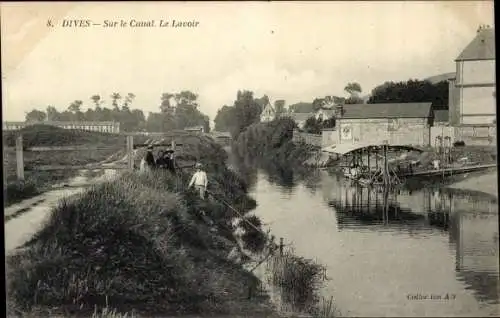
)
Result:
{"points": [[427, 252]]}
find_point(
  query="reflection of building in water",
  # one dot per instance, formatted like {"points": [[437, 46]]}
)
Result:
{"points": [[470, 219], [355, 204], [475, 236]]}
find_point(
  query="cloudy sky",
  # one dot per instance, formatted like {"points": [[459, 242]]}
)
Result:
{"points": [[288, 50]]}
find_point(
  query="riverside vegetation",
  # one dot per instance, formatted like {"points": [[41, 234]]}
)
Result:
{"points": [[139, 246], [36, 182]]}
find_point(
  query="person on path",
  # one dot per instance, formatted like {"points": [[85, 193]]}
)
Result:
{"points": [[199, 180]]}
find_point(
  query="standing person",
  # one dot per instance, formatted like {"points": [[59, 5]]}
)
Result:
{"points": [[150, 158], [169, 161], [160, 160], [199, 180]]}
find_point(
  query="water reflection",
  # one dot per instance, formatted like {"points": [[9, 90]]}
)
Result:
{"points": [[471, 221]]}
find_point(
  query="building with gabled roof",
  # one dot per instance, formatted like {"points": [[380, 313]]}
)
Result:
{"points": [[396, 123], [268, 113], [473, 90]]}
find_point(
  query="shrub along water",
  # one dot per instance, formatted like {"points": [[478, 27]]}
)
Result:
{"points": [[272, 143], [138, 244]]}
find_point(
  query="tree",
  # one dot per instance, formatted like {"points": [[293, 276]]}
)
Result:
{"points": [[186, 110], [97, 100], [411, 91], [315, 126], [75, 106], [52, 113], [128, 100], [312, 125], [165, 103], [224, 119], [115, 97], [247, 111], [353, 89], [35, 116]]}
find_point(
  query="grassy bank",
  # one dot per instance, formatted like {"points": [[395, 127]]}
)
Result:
{"points": [[37, 182], [138, 244]]}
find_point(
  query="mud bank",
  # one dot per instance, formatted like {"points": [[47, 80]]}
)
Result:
{"points": [[486, 182]]}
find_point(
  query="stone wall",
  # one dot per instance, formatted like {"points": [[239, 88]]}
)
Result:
{"points": [[310, 139], [329, 137], [404, 131], [476, 135]]}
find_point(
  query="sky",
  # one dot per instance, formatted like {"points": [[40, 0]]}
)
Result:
{"points": [[295, 51]]}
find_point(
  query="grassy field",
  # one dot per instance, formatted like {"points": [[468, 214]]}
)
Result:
{"points": [[37, 182]]}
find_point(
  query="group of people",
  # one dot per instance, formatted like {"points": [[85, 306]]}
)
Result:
{"points": [[165, 160]]}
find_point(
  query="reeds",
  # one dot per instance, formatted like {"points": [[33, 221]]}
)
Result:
{"points": [[298, 280]]}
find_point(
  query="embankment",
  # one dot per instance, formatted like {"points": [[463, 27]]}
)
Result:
{"points": [[140, 244], [486, 182]]}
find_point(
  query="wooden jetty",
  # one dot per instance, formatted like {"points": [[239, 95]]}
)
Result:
{"points": [[369, 163]]}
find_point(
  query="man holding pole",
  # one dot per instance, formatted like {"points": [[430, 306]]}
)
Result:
{"points": [[199, 180]]}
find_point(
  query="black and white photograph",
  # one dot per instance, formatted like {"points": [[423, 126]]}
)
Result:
{"points": [[231, 159]]}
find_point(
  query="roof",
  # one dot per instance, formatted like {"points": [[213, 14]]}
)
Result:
{"points": [[482, 47], [194, 128], [392, 110], [441, 77], [343, 149], [268, 105], [441, 115], [300, 116]]}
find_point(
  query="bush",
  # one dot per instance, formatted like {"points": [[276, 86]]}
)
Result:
{"points": [[272, 142]]}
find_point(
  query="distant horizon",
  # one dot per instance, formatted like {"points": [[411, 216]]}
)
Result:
{"points": [[267, 48]]}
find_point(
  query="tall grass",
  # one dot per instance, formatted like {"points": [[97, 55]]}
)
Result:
{"points": [[298, 280], [137, 244]]}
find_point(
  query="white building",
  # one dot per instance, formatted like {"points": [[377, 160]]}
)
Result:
{"points": [[472, 92], [99, 126], [268, 113]]}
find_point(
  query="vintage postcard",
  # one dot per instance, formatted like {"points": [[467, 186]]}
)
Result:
{"points": [[250, 159]]}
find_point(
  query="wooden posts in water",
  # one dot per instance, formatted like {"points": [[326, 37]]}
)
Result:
{"points": [[386, 164], [19, 158], [130, 152]]}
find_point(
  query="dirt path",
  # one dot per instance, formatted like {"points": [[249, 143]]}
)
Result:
{"points": [[24, 219]]}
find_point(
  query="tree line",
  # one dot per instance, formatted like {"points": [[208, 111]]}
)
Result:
{"points": [[246, 109], [176, 111]]}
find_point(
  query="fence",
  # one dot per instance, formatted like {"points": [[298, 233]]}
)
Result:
{"points": [[310, 139], [130, 146]]}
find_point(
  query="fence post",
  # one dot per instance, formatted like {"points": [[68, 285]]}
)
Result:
{"points": [[130, 151], [19, 158], [281, 246]]}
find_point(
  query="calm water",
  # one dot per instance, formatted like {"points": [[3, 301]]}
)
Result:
{"points": [[384, 252]]}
